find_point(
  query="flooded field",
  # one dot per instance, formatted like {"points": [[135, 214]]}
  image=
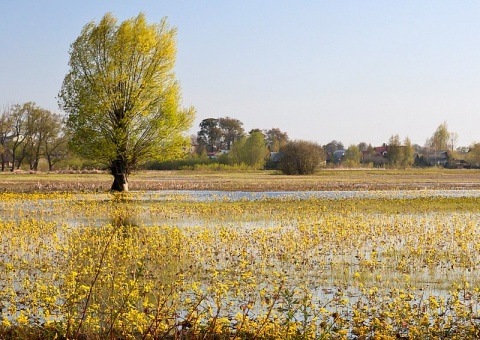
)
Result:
{"points": [[347, 264]]}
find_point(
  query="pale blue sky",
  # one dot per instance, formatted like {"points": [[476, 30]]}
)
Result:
{"points": [[353, 71]]}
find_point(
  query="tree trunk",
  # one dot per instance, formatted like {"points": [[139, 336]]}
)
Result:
{"points": [[50, 163], [119, 173], [119, 183]]}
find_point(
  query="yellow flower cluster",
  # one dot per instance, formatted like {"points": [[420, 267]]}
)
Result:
{"points": [[92, 265]]}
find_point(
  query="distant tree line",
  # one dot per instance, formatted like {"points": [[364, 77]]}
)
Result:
{"points": [[439, 150], [224, 140], [29, 133], [221, 134]]}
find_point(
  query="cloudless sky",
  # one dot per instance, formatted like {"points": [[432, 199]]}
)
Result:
{"points": [[351, 71]]}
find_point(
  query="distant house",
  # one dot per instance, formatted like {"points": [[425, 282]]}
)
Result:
{"points": [[212, 155], [338, 156], [215, 155], [458, 164], [273, 160], [335, 157], [191, 149], [275, 156], [376, 156], [437, 158], [381, 150]]}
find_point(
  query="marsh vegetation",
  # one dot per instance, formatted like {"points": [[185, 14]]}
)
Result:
{"points": [[156, 265]]}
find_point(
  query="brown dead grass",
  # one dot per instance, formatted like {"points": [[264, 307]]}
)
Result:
{"points": [[329, 180]]}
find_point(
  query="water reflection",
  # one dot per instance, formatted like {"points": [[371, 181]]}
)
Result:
{"points": [[135, 208], [209, 196], [125, 220]]}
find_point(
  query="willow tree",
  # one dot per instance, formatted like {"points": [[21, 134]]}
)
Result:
{"points": [[121, 96]]}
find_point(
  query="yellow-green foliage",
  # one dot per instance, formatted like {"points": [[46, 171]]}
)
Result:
{"points": [[121, 79], [97, 266]]}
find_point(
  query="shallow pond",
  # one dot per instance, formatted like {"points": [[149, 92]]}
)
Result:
{"points": [[138, 205], [206, 196], [245, 247]]}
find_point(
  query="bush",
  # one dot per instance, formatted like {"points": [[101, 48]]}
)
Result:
{"points": [[301, 157]]}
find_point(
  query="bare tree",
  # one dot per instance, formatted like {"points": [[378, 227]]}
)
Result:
{"points": [[19, 116], [6, 126], [452, 142]]}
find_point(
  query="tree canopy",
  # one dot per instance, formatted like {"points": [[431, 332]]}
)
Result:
{"points": [[28, 133], [440, 138], [353, 156], [209, 134], [275, 139], [122, 97], [232, 130], [250, 151], [217, 134]]}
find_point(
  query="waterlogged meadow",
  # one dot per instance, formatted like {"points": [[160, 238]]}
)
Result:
{"points": [[250, 266]]}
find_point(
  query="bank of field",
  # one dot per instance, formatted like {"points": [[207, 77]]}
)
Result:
{"points": [[327, 179], [164, 266]]}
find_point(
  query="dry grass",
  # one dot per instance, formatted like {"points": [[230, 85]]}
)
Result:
{"points": [[411, 179]]}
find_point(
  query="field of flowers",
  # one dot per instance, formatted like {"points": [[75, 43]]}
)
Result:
{"points": [[93, 265]]}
